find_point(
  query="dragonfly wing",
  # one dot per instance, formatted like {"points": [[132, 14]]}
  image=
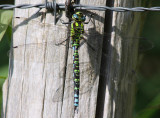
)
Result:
{"points": [[90, 35], [63, 93], [47, 46], [20, 51], [67, 91], [144, 44]]}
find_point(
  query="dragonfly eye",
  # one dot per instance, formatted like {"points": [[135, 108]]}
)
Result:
{"points": [[75, 16], [83, 18]]}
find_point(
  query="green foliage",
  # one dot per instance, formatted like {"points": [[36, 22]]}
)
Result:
{"points": [[5, 20], [4, 50], [5, 37], [1, 84], [150, 109], [148, 89]]}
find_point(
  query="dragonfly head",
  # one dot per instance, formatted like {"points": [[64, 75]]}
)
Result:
{"points": [[78, 16]]}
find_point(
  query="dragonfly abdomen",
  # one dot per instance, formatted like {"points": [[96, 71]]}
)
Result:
{"points": [[76, 76], [77, 29]]}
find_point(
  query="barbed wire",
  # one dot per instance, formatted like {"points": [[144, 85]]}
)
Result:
{"points": [[52, 5]]}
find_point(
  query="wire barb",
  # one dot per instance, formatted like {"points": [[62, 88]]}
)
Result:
{"points": [[53, 6]]}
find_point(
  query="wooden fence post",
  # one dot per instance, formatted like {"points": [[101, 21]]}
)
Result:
{"points": [[40, 75], [117, 86]]}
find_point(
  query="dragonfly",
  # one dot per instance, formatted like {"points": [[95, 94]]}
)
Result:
{"points": [[80, 38]]}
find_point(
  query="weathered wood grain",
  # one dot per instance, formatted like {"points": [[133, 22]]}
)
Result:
{"points": [[117, 86], [36, 73], [40, 83]]}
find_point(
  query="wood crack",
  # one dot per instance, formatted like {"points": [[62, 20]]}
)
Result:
{"points": [[45, 50]]}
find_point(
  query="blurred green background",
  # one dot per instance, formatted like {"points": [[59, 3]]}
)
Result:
{"points": [[5, 37], [147, 103], [148, 86]]}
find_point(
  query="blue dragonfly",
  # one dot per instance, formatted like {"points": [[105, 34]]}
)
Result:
{"points": [[92, 45]]}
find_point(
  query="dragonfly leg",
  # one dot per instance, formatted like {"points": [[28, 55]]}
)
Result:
{"points": [[85, 41], [89, 19], [62, 41], [65, 22]]}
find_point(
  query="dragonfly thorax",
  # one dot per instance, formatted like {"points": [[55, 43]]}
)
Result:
{"points": [[77, 28]]}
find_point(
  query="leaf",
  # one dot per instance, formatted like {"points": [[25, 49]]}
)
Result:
{"points": [[1, 77], [5, 20], [3, 71], [151, 108]]}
